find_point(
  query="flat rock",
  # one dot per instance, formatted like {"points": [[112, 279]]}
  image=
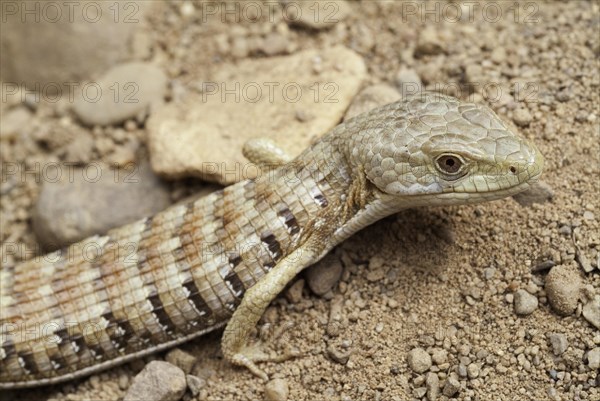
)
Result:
{"points": [[203, 134], [158, 381], [563, 285], [559, 343], [125, 91], [94, 199], [371, 97]]}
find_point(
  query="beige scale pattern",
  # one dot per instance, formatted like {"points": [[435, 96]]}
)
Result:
{"points": [[188, 270]]}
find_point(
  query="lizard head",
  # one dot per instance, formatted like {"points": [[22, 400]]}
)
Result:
{"points": [[433, 149]]}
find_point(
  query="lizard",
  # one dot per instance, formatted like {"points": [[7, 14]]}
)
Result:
{"points": [[221, 259]]}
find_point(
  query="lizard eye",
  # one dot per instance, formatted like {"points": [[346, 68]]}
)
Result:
{"points": [[450, 165]]}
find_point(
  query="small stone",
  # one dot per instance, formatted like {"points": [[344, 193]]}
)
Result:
{"points": [[563, 285], [123, 92], [545, 265], [439, 356], [339, 355], [80, 150], [473, 370], [14, 121], [559, 343], [419, 360], [195, 384], [429, 43], [489, 273], [325, 274], [294, 293], [565, 230], [591, 311], [433, 386], [277, 390], [588, 215], [451, 387], [525, 303], [584, 262], [540, 192], [408, 82], [181, 359], [522, 117], [158, 381], [274, 43], [593, 357]]}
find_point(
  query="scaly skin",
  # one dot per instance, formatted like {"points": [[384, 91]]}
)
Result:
{"points": [[164, 280]]}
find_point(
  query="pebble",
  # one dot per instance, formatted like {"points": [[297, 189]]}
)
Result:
{"points": [[80, 150], [524, 302], [473, 370], [591, 311], [294, 293], [83, 202], [433, 386], [429, 43], [274, 43], [563, 285], [140, 87], [409, 82], [584, 262], [522, 117], [371, 97], [325, 274], [451, 387], [183, 142], [181, 359], [539, 192], [339, 355], [559, 343], [14, 122], [195, 384], [277, 390], [419, 360], [593, 357], [316, 15], [158, 381], [439, 356]]}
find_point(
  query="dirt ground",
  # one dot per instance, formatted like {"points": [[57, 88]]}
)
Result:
{"points": [[440, 279]]}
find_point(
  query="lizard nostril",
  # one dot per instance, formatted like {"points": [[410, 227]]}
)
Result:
{"points": [[513, 169]]}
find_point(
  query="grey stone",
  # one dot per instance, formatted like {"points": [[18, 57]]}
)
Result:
{"points": [[158, 381], [325, 274], [525, 303], [559, 343], [124, 92], [539, 192], [92, 200], [419, 360]]}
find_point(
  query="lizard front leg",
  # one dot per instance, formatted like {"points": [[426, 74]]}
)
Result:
{"points": [[235, 337], [265, 153]]}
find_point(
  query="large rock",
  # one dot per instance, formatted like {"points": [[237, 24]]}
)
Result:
{"points": [[94, 199], [50, 45], [291, 100], [124, 92]]}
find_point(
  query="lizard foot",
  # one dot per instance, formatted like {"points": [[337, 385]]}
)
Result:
{"points": [[251, 354]]}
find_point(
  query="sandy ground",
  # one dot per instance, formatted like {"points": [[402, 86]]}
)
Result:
{"points": [[440, 279]]}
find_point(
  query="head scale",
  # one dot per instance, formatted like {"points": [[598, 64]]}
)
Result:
{"points": [[432, 144]]}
